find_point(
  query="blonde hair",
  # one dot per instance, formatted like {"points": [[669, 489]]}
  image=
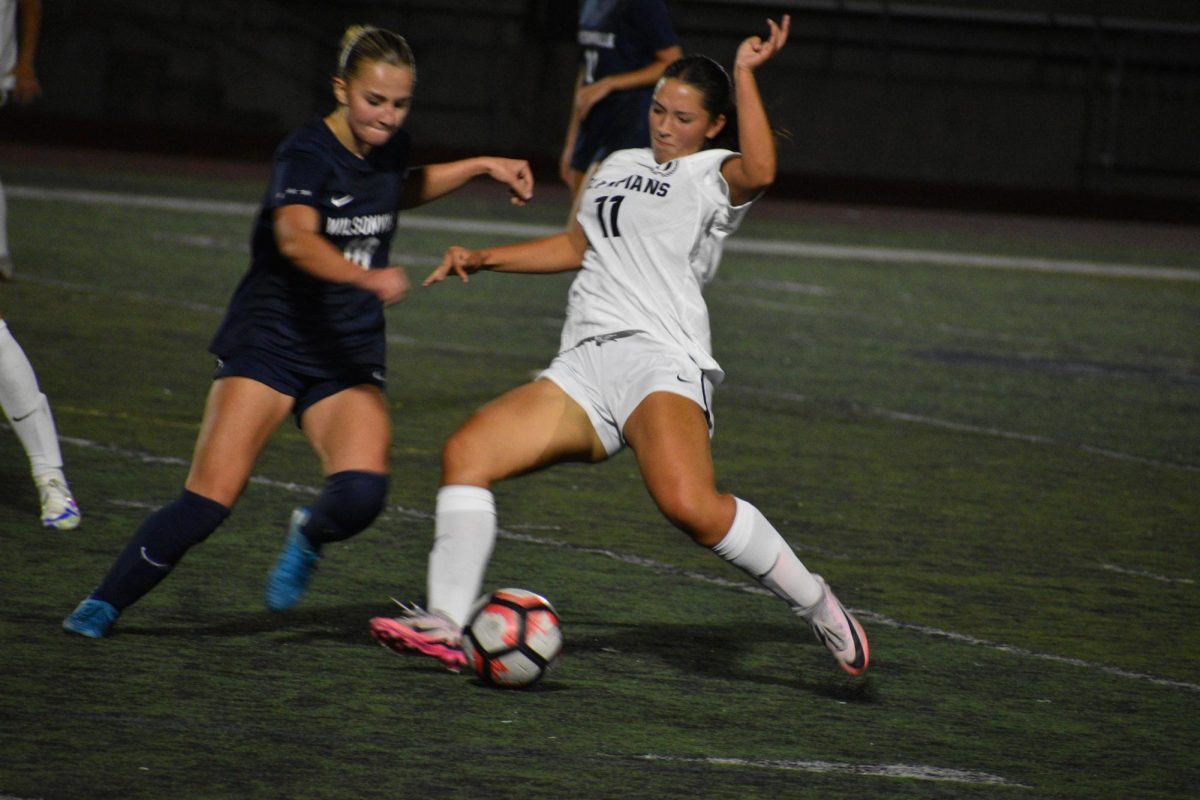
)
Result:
{"points": [[367, 43]]}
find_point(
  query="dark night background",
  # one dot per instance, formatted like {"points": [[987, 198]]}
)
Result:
{"points": [[1050, 106]]}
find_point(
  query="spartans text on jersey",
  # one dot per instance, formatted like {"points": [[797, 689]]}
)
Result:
{"points": [[635, 183]]}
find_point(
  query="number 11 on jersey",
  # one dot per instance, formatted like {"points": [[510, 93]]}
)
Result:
{"points": [[614, 204]]}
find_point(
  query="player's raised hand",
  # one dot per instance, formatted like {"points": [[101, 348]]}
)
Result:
{"points": [[459, 260], [516, 174], [389, 284], [753, 52]]}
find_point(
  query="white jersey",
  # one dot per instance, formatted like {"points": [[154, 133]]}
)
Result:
{"points": [[8, 43], [655, 234]]}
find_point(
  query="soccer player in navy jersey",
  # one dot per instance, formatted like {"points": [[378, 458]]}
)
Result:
{"points": [[626, 46], [304, 331]]}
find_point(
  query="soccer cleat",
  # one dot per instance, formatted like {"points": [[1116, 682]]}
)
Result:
{"points": [[92, 618], [419, 631], [59, 510], [839, 631], [288, 581]]}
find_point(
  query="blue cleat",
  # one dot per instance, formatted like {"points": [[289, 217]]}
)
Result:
{"points": [[92, 618], [288, 581]]}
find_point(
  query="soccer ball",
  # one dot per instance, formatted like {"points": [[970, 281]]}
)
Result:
{"points": [[512, 637]]}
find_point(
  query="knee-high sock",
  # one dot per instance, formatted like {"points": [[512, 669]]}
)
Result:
{"points": [[26, 407], [753, 545], [464, 534], [157, 546]]}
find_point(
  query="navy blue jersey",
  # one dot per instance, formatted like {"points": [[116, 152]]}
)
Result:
{"points": [[313, 326], [618, 36]]}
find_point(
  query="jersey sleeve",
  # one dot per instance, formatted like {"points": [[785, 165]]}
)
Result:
{"points": [[297, 178], [726, 216]]}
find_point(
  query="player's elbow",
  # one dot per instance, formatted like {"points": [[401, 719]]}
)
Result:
{"points": [[760, 174], [290, 247], [761, 184], [753, 186], [750, 177]]}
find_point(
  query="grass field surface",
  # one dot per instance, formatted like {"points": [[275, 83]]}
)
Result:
{"points": [[984, 431]]}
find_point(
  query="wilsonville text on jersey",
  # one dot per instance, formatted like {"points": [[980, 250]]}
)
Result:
{"points": [[368, 225]]}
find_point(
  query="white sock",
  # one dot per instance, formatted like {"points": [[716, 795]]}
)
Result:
{"points": [[3, 223], [26, 407], [464, 534], [754, 546]]}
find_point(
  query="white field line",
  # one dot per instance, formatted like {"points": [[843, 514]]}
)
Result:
{"points": [[892, 255], [910, 771], [1141, 573], [762, 247], [963, 427], [663, 567]]}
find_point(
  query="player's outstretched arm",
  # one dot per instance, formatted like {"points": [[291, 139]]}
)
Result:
{"points": [[437, 180], [754, 171], [561, 252]]}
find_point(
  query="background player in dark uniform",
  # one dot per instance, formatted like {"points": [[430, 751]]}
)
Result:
{"points": [[627, 45], [304, 332]]}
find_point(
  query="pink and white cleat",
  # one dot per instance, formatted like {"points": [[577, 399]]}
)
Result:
{"points": [[839, 631], [423, 633]]}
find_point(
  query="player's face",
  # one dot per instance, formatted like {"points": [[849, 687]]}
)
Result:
{"points": [[375, 101], [679, 123]]}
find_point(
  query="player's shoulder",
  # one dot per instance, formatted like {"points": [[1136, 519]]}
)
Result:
{"points": [[707, 160], [313, 138]]}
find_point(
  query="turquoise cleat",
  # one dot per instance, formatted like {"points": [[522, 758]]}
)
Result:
{"points": [[92, 618], [288, 581]]}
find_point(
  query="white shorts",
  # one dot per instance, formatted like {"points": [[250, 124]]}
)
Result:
{"points": [[610, 375]]}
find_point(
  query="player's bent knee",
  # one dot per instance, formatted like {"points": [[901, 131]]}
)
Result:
{"points": [[704, 518], [464, 461], [349, 503]]}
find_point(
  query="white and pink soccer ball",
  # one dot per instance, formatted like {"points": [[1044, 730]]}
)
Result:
{"points": [[512, 638]]}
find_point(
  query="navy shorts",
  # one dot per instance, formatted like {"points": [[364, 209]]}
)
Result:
{"points": [[307, 390]]}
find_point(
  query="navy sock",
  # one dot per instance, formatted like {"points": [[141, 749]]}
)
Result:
{"points": [[348, 503], [157, 546]]}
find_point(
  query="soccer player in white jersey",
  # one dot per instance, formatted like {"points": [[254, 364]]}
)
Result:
{"points": [[20, 397], [18, 81], [636, 367]]}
